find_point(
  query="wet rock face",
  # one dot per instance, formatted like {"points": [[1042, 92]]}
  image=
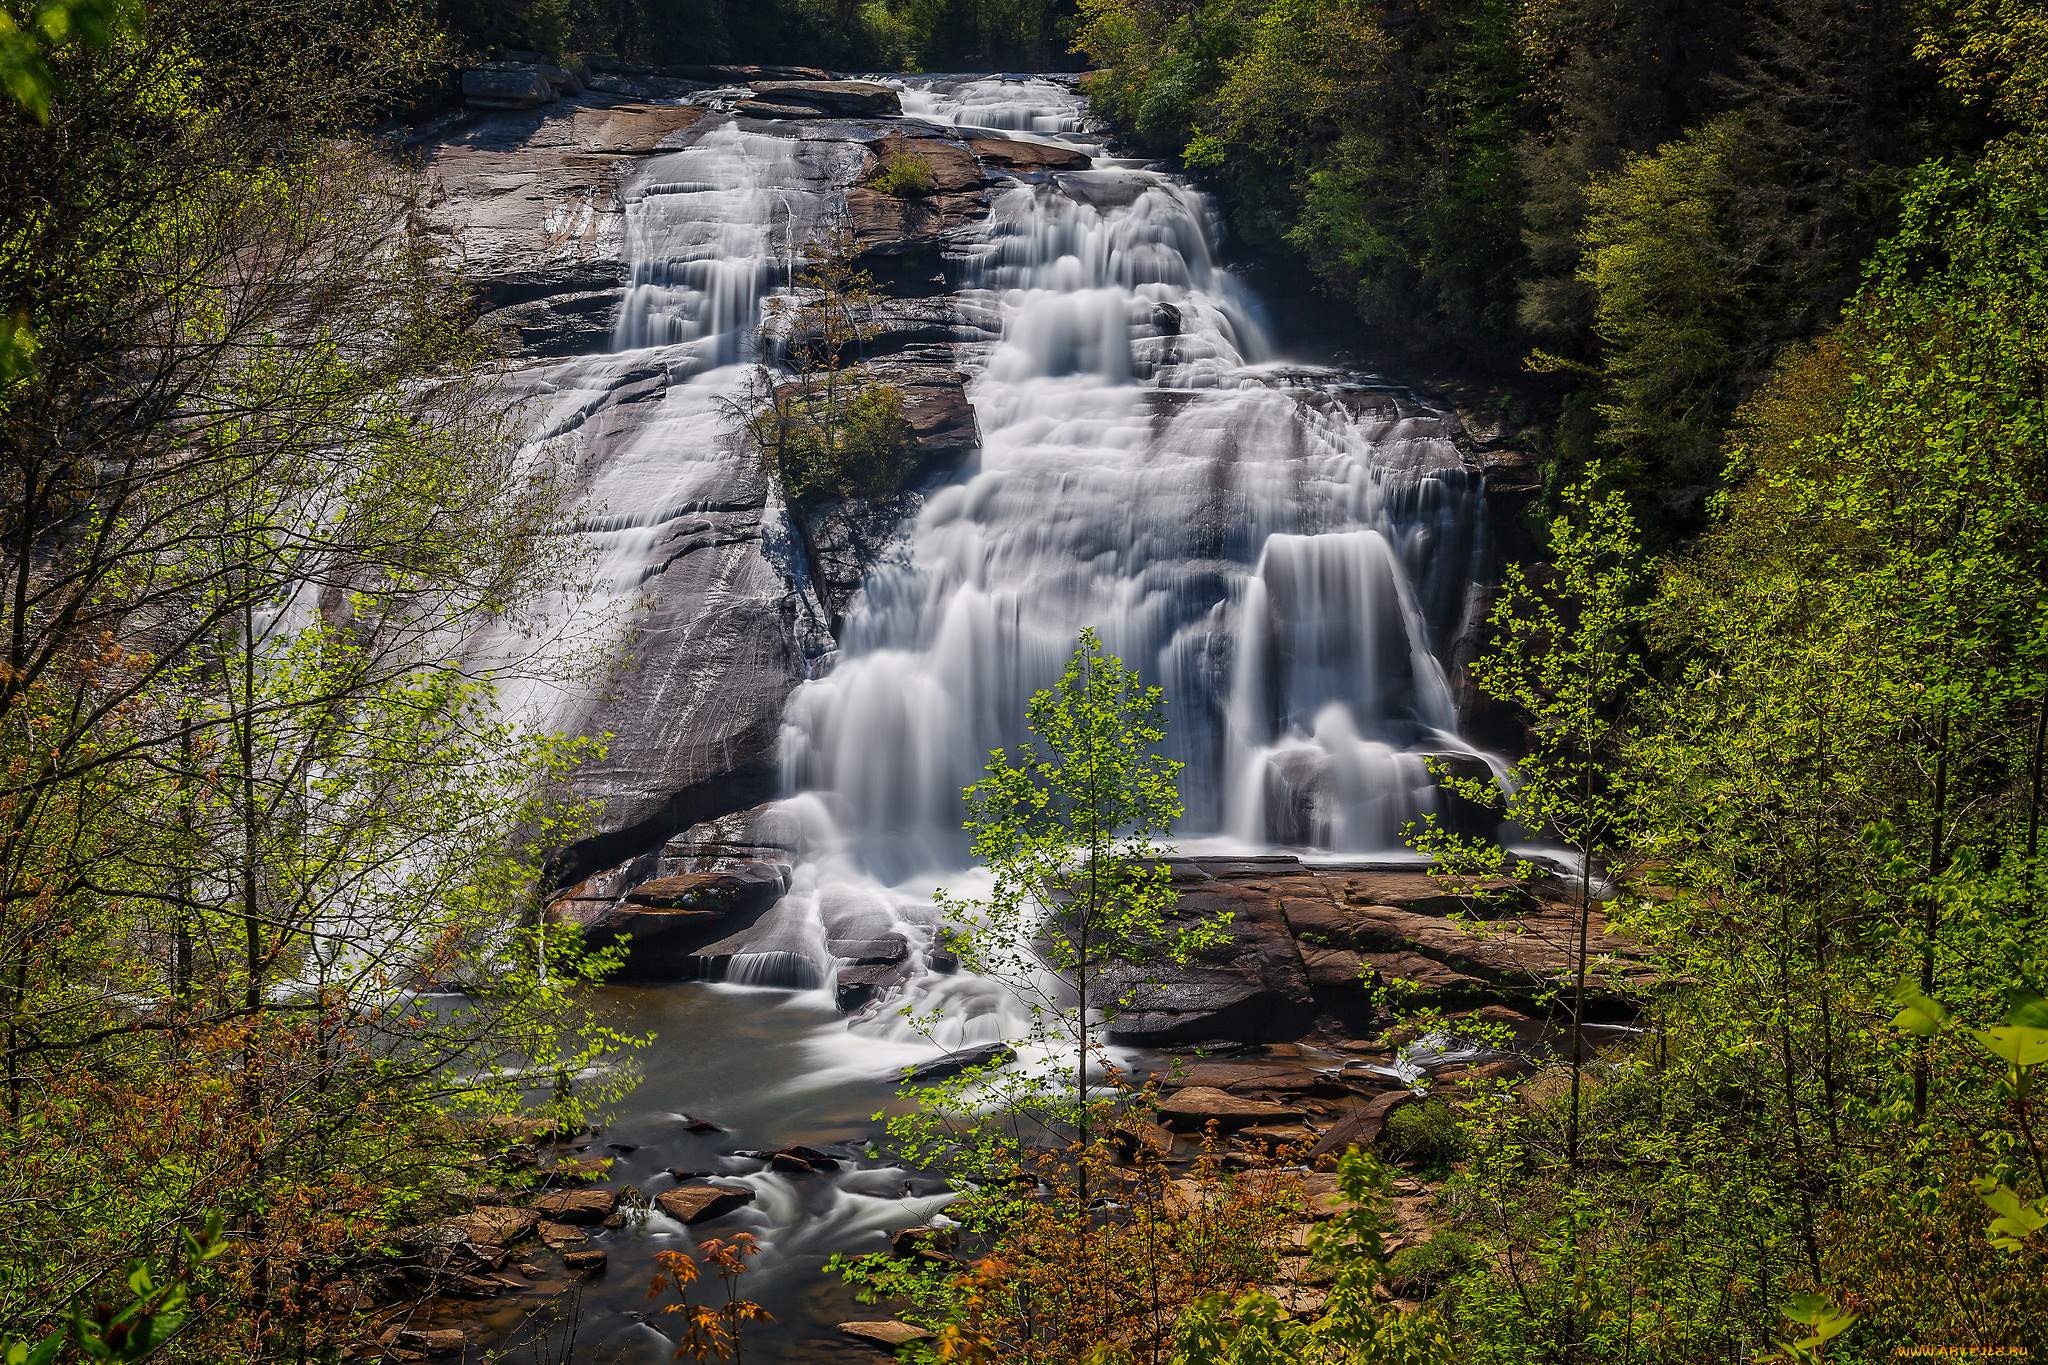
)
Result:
{"points": [[530, 202], [669, 919], [849, 99], [551, 210]]}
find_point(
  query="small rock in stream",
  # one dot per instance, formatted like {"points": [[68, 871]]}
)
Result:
{"points": [[988, 1054], [576, 1206], [888, 1335], [701, 1203]]}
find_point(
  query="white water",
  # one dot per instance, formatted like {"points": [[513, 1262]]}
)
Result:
{"points": [[1227, 523], [1268, 542]]}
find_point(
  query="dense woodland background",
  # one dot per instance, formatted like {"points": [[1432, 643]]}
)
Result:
{"points": [[1766, 281]]}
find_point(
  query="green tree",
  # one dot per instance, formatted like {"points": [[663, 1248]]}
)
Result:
{"points": [[828, 428], [1081, 910]]}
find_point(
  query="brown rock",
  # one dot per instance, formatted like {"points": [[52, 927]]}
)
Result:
{"points": [[889, 1334], [584, 1260], [890, 225], [1028, 156], [1228, 1075], [717, 892], [1195, 1106], [910, 1241], [576, 1206], [953, 167], [582, 1170], [1476, 1076], [495, 1224], [701, 1203], [559, 1235], [1362, 1128], [439, 1342], [633, 129], [857, 99], [472, 1287], [775, 110]]}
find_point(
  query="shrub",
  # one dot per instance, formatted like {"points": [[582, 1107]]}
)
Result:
{"points": [[1426, 1136], [1420, 1271], [906, 177], [853, 444]]}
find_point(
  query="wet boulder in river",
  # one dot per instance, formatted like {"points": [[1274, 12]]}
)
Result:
{"points": [[854, 99], [701, 1203], [576, 1206]]}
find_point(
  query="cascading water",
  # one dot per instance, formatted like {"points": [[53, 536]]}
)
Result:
{"points": [[1275, 545], [1283, 563]]}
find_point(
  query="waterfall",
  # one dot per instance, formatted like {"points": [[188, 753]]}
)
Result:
{"points": [[1276, 546]]}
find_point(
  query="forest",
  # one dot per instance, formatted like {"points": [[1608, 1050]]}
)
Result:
{"points": [[1761, 284]]}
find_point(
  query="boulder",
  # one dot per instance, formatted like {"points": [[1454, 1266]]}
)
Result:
{"points": [[667, 920], [952, 166], [910, 1241], [584, 1260], [1193, 1108], [442, 1341], [954, 1063], [576, 1206], [857, 987], [1028, 156], [702, 1203], [559, 1235], [1230, 1075], [730, 891], [581, 1170], [500, 1225], [506, 85], [766, 833], [853, 99], [646, 87], [1363, 1126], [741, 75], [889, 1334], [870, 952], [767, 109]]}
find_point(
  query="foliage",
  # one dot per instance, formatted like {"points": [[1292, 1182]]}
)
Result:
{"points": [[158, 1303], [906, 177], [1427, 1136], [710, 1331], [1354, 1328], [848, 35], [1660, 198], [1081, 911], [269, 851], [828, 428], [1049, 1291], [1563, 652]]}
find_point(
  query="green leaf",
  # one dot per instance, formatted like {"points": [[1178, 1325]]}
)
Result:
{"points": [[2021, 1047], [1918, 1015], [2017, 1218], [2025, 1009]]}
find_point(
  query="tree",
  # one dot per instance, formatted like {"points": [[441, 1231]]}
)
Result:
{"points": [[827, 429], [270, 545], [1564, 653], [1082, 906]]}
